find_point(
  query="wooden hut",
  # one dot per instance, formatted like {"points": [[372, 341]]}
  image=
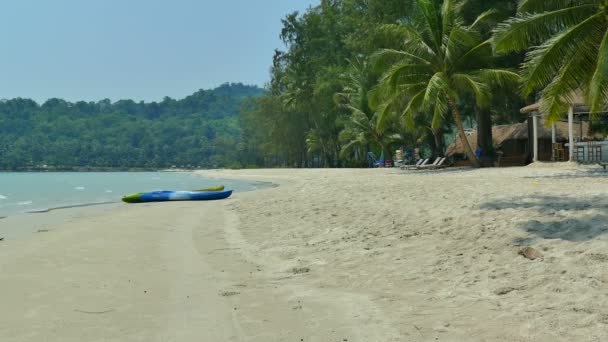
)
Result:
{"points": [[514, 144], [582, 145]]}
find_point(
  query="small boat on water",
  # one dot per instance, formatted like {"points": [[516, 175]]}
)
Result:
{"points": [[162, 196]]}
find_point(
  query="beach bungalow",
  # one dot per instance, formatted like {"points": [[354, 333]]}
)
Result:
{"points": [[514, 143], [586, 146], [536, 140]]}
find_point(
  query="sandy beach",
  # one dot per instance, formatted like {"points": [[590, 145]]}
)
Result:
{"points": [[327, 255]]}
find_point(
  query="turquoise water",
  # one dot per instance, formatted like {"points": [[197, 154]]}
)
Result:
{"points": [[38, 191]]}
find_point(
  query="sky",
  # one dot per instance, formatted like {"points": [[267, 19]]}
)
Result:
{"points": [[137, 49]]}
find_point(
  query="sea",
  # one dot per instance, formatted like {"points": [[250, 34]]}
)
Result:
{"points": [[30, 192]]}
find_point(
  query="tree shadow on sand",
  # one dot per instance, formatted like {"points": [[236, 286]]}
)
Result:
{"points": [[563, 214], [575, 174]]}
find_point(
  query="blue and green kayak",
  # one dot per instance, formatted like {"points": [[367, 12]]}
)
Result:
{"points": [[162, 196]]}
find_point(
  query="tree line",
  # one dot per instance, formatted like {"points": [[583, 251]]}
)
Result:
{"points": [[355, 76], [377, 75], [201, 130]]}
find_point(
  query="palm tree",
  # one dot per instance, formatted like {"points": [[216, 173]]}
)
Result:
{"points": [[440, 61], [568, 42], [363, 126]]}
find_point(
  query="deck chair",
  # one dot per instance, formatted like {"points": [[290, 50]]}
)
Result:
{"points": [[436, 166], [420, 163], [403, 167], [426, 166]]}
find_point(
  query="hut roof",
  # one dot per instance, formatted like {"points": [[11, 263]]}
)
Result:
{"points": [[530, 108], [576, 98], [500, 134], [519, 131]]}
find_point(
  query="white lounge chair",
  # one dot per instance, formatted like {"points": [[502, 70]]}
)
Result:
{"points": [[424, 166], [420, 163], [437, 165]]}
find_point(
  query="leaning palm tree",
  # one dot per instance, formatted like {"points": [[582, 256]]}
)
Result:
{"points": [[440, 60], [568, 42]]}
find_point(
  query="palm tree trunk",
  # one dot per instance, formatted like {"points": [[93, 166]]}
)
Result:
{"points": [[438, 136], [430, 137], [484, 135], [463, 137]]}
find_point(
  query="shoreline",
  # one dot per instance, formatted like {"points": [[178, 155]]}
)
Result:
{"points": [[25, 225], [80, 205], [329, 254], [27, 221]]}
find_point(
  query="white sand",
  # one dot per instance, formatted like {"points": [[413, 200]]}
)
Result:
{"points": [[330, 255]]}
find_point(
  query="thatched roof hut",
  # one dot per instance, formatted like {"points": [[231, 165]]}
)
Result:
{"points": [[500, 133], [520, 131]]}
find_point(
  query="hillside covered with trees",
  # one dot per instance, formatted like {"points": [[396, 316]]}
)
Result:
{"points": [[201, 130]]}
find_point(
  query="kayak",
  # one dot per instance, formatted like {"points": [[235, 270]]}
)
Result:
{"points": [[161, 196], [215, 188]]}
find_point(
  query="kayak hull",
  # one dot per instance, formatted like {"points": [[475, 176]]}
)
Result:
{"points": [[163, 196]]}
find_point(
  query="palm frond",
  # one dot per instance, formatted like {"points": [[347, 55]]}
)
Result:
{"points": [[405, 72], [437, 85], [459, 42], [598, 87], [485, 18], [469, 83], [554, 106], [417, 43], [550, 5], [357, 140], [384, 58], [439, 112], [573, 76], [314, 141], [449, 16], [414, 105], [528, 29], [544, 62], [477, 56], [377, 95], [430, 22], [498, 78]]}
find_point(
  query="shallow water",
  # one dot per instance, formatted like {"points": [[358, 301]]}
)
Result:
{"points": [[23, 192]]}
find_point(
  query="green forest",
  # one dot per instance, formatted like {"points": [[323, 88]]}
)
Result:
{"points": [[353, 76], [377, 75], [201, 130]]}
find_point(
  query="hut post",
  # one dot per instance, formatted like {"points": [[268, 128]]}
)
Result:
{"points": [[535, 135], [571, 133], [553, 141]]}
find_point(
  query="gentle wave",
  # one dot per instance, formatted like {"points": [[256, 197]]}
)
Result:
{"points": [[79, 188], [41, 211], [3, 197], [25, 203]]}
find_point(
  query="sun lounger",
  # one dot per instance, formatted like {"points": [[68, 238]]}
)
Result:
{"points": [[426, 166], [419, 164], [439, 164]]}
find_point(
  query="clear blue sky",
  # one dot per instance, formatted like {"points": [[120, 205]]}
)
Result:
{"points": [[138, 49]]}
